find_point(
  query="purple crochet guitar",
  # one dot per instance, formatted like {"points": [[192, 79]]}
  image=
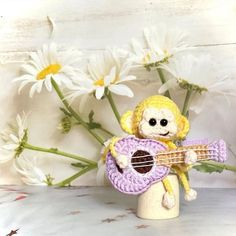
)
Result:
{"points": [[150, 161]]}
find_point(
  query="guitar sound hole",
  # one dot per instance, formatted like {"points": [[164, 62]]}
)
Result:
{"points": [[142, 161]]}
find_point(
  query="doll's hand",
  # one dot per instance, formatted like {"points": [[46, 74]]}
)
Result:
{"points": [[122, 161], [190, 195], [190, 157]]}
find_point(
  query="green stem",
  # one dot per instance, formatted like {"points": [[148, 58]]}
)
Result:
{"points": [[186, 101], [185, 111], [102, 129], [106, 131], [113, 106], [74, 113], [163, 81], [75, 176], [222, 165], [58, 152]]}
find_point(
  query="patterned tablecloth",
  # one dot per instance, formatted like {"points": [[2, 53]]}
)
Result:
{"points": [[39, 211]]}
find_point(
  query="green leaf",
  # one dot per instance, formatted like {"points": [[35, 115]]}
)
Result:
{"points": [[66, 124], [206, 168], [49, 180], [91, 124], [94, 125], [90, 116]]}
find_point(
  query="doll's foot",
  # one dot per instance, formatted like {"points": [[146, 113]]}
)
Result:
{"points": [[122, 161], [190, 195], [168, 200], [190, 157]]}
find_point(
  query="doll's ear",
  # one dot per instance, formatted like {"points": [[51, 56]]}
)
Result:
{"points": [[183, 127], [126, 122]]}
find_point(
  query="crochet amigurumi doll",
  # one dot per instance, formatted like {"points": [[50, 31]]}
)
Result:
{"points": [[159, 118]]}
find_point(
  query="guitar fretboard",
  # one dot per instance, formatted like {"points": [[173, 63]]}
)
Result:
{"points": [[177, 156]]}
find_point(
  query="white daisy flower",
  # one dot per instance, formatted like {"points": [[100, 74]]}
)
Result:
{"points": [[12, 138], [106, 70], [199, 74], [48, 64], [101, 171], [161, 43], [30, 173]]}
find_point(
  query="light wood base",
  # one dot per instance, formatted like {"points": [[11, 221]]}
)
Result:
{"points": [[150, 202]]}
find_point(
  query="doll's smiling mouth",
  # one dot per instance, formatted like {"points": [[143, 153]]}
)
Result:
{"points": [[165, 134]]}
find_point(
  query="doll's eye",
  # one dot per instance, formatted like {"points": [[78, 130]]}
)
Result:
{"points": [[152, 122], [163, 122]]}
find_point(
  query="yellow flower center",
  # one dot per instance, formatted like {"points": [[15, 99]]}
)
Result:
{"points": [[52, 69], [99, 82], [147, 58], [167, 54]]}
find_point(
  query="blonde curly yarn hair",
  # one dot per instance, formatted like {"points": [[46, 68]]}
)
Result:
{"points": [[131, 119]]}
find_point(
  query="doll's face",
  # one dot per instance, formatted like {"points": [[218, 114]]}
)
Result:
{"points": [[158, 124]]}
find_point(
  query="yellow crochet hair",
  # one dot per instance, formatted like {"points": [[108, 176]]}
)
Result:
{"points": [[131, 119]]}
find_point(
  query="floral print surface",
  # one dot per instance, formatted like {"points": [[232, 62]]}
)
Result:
{"points": [[39, 211]]}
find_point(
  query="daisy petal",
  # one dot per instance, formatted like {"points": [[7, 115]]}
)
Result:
{"points": [[99, 92], [29, 69], [127, 78], [121, 89], [33, 89], [9, 146], [48, 83], [23, 84], [111, 77], [168, 85]]}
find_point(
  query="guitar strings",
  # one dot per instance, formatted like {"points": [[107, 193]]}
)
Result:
{"points": [[177, 151], [179, 161], [163, 164], [149, 155], [183, 150], [165, 159]]}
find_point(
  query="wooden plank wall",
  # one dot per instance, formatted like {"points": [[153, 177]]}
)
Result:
{"points": [[90, 26]]}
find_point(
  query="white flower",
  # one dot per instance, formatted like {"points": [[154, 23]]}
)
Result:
{"points": [[12, 138], [106, 70], [30, 173], [161, 43], [48, 64], [201, 74], [101, 171]]}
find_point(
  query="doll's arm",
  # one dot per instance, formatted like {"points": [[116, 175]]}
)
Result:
{"points": [[121, 160], [189, 160]]}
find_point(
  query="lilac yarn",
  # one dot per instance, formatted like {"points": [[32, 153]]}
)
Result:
{"points": [[190, 142], [130, 181], [219, 150]]}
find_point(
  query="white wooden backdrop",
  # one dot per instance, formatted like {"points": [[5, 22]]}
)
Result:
{"points": [[91, 25]]}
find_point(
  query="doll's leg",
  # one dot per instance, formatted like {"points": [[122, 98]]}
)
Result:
{"points": [[168, 198], [190, 194]]}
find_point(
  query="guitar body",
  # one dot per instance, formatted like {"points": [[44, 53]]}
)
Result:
{"points": [[135, 179], [149, 161]]}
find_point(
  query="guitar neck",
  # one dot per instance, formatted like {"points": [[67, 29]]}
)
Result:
{"points": [[177, 155]]}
